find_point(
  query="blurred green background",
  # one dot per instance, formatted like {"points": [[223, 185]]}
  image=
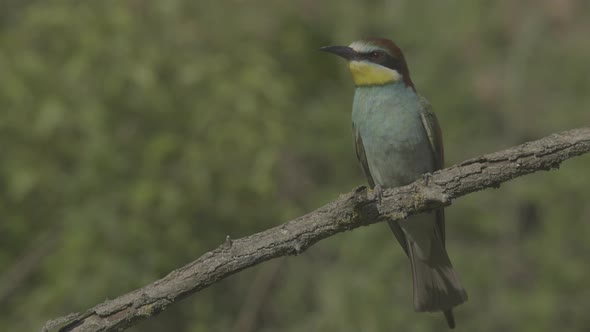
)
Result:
{"points": [[136, 135]]}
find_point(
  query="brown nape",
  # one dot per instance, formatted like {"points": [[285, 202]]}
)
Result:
{"points": [[398, 60]]}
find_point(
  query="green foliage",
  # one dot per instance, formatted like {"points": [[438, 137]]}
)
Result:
{"points": [[136, 135]]}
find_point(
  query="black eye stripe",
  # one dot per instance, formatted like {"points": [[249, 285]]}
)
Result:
{"points": [[375, 54], [384, 59]]}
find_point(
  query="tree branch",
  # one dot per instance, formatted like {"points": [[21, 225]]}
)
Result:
{"points": [[351, 210]]}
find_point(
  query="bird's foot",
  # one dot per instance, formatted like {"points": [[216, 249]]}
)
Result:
{"points": [[378, 193], [427, 177]]}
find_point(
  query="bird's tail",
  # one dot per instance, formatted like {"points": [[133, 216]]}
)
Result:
{"points": [[436, 285]]}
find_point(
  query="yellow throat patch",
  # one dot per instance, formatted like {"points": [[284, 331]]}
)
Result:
{"points": [[367, 73]]}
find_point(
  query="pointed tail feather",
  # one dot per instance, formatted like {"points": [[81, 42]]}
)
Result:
{"points": [[450, 318]]}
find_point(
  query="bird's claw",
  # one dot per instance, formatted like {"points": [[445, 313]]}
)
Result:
{"points": [[378, 193], [427, 177]]}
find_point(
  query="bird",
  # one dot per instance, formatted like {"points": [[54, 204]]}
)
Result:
{"points": [[397, 139]]}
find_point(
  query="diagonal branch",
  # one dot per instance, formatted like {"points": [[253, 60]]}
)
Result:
{"points": [[349, 211]]}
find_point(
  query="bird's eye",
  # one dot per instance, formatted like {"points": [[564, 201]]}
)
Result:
{"points": [[376, 54]]}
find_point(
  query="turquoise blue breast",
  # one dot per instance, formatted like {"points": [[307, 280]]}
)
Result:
{"points": [[395, 141]]}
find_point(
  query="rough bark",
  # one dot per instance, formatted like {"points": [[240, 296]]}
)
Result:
{"points": [[354, 209]]}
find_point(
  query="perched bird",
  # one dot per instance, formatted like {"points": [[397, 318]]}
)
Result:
{"points": [[398, 139]]}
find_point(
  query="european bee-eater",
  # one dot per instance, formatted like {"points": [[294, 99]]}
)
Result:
{"points": [[398, 139]]}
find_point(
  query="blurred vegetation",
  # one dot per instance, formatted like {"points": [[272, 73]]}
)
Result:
{"points": [[136, 135]]}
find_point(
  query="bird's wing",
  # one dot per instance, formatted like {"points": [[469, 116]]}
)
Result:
{"points": [[434, 133], [359, 148]]}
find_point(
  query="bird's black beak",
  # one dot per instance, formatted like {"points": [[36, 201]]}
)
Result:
{"points": [[342, 51]]}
